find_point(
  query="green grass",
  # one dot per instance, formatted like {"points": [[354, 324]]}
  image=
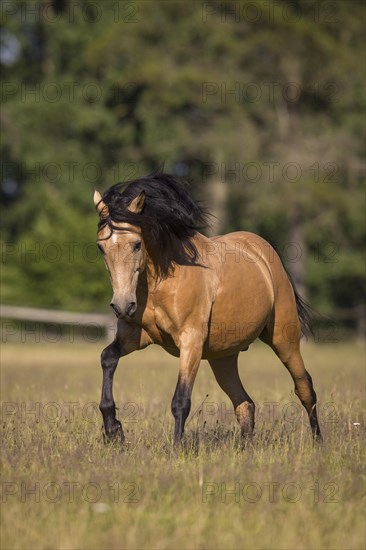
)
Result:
{"points": [[287, 495]]}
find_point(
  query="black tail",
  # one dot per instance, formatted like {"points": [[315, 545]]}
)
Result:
{"points": [[304, 310]]}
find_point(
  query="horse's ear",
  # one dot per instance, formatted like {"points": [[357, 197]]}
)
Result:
{"points": [[137, 204], [100, 206]]}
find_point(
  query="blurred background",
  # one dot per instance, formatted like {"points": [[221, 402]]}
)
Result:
{"points": [[259, 105]]}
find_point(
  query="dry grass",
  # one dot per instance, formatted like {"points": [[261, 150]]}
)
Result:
{"points": [[285, 494]]}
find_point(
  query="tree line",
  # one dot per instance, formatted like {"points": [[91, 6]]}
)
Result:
{"points": [[259, 105]]}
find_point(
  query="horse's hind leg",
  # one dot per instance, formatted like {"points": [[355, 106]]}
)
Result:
{"points": [[304, 390], [227, 376], [288, 352]]}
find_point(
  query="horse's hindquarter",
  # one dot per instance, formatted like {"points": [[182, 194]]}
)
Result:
{"points": [[245, 293]]}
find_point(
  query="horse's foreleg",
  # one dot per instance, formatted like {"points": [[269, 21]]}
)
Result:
{"points": [[190, 358], [112, 426], [227, 376]]}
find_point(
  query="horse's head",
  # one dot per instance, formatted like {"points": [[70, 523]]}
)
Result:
{"points": [[124, 255]]}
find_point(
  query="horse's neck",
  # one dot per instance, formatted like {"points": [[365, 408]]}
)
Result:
{"points": [[201, 242], [151, 276]]}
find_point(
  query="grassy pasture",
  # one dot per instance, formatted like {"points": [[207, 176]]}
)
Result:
{"points": [[63, 489]]}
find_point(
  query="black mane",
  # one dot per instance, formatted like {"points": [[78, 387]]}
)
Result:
{"points": [[168, 221]]}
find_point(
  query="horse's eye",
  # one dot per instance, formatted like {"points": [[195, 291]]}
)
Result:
{"points": [[137, 246]]}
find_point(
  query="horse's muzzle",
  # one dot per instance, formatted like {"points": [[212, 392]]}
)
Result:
{"points": [[128, 312]]}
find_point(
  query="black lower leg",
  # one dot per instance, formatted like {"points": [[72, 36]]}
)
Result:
{"points": [[181, 406], [310, 406], [313, 418], [112, 426]]}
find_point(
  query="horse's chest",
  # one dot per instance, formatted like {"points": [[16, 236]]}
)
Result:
{"points": [[159, 327]]}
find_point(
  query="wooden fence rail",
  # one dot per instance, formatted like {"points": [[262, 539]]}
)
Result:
{"points": [[35, 315]]}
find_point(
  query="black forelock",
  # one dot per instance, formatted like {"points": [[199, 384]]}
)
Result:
{"points": [[168, 221]]}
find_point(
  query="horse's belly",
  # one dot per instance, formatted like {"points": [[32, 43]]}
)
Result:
{"points": [[240, 312]]}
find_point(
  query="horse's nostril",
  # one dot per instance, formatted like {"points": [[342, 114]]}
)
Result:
{"points": [[131, 308], [116, 309], [129, 311]]}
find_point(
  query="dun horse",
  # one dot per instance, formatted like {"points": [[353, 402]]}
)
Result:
{"points": [[197, 297]]}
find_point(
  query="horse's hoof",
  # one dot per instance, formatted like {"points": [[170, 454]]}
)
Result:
{"points": [[318, 440], [114, 435], [246, 441]]}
